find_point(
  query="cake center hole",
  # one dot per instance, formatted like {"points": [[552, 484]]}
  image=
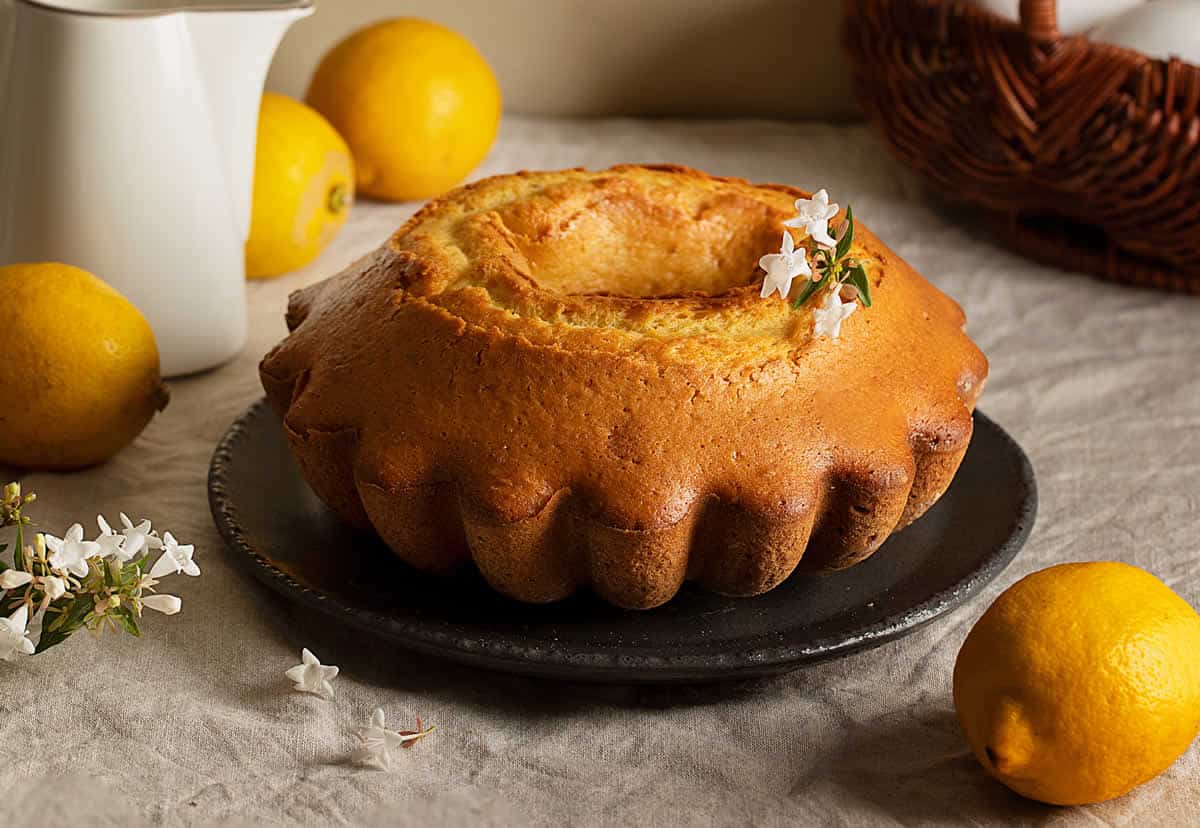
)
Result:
{"points": [[643, 245]]}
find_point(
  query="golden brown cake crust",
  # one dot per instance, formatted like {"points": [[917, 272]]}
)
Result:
{"points": [[571, 379]]}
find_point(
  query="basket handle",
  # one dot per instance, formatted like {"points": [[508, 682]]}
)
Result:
{"points": [[1039, 19]]}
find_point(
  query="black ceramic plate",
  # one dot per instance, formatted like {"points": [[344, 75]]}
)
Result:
{"points": [[279, 529]]}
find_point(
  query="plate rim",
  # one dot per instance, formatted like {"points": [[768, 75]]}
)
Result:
{"points": [[607, 664]]}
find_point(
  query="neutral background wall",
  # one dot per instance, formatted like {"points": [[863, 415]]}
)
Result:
{"points": [[585, 57]]}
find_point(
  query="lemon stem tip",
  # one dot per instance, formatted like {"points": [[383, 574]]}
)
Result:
{"points": [[162, 396], [339, 199]]}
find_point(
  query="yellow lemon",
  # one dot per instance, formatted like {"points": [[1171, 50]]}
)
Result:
{"points": [[1081, 682], [303, 187], [417, 103], [79, 375]]}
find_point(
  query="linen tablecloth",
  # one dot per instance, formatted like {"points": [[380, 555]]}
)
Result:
{"points": [[195, 723]]}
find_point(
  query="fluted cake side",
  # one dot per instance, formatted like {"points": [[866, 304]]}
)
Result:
{"points": [[570, 379]]}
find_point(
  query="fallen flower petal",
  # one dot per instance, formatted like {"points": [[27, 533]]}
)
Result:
{"points": [[376, 741], [311, 676]]}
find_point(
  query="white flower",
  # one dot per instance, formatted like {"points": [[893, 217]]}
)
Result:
{"points": [[13, 578], [828, 319], [71, 552], [133, 538], [813, 214], [54, 587], [311, 676], [14, 634], [174, 559], [783, 267], [166, 604], [376, 742], [112, 545], [140, 536]]}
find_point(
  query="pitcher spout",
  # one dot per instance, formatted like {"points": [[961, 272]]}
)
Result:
{"points": [[233, 46]]}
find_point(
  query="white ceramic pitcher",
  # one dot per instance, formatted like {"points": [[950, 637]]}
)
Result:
{"points": [[127, 132]]}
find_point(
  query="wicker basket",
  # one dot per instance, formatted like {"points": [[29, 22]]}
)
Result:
{"points": [[1085, 153]]}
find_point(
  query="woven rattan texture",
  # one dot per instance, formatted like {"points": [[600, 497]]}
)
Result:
{"points": [[1085, 154]]}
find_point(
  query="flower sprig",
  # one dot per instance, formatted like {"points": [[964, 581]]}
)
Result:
{"points": [[829, 268], [75, 583]]}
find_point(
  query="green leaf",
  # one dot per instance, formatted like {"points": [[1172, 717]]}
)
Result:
{"points": [[19, 549], [77, 611], [128, 621], [3, 546], [810, 287], [843, 245], [858, 278], [50, 638], [96, 579], [130, 573], [110, 577], [82, 607], [3, 565]]}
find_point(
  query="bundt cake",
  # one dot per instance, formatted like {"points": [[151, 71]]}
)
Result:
{"points": [[571, 379]]}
